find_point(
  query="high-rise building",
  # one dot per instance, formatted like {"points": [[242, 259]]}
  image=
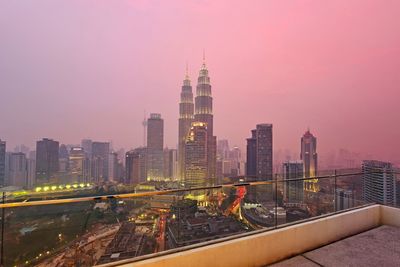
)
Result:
{"points": [[196, 162], [251, 156], [78, 165], [223, 149], [31, 171], [293, 190], [18, 175], [99, 161], [344, 199], [235, 157], [170, 163], [86, 144], [2, 163], [63, 159], [229, 161], [46, 160], [309, 157], [112, 167], [379, 183], [155, 147], [259, 152], [204, 114], [135, 166], [186, 117], [259, 162]]}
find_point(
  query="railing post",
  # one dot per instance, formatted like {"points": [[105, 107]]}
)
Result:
{"points": [[276, 200], [2, 231], [334, 193]]}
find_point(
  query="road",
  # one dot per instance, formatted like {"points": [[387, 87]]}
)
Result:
{"points": [[161, 229]]}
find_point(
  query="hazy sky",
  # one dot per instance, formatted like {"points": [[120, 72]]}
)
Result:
{"points": [[76, 69]]}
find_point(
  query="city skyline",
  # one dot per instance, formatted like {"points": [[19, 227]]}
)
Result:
{"points": [[270, 75]]}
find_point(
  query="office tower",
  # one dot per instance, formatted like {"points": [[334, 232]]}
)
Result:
{"points": [[86, 144], [379, 183], [2, 163], [204, 113], [18, 175], [186, 117], [112, 167], [170, 164], [235, 157], [222, 156], [259, 162], [46, 161], [344, 199], [135, 166], [63, 159], [251, 156], [223, 149], [7, 180], [22, 148], [100, 152], [78, 165], [63, 152], [196, 161], [155, 143], [293, 190], [259, 152], [31, 171], [228, 160], [121, 171], [309, 157]]}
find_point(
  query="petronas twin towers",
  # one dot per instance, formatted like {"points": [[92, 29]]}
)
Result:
{"points": [[197, 143]]}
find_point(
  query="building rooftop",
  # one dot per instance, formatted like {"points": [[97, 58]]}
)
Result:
{"points": [[376, 247]]}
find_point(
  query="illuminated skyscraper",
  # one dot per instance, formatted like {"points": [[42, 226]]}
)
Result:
{"points": [[309, 157], [155, 143], [2, 162], [186, 117], [204, 113], [46, 160], [196, 162], [78, 168]]}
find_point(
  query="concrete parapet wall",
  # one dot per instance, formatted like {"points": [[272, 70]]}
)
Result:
{"points": [[272, 246]]}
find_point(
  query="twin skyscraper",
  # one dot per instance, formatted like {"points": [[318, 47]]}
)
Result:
{"points": [[197, 143]]}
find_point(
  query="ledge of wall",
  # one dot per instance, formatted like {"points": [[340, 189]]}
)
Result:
{"points": [[275, 245], [390, 216]]}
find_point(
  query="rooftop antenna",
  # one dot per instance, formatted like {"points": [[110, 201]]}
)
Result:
{"points": [[187, 71], [144, 123]]}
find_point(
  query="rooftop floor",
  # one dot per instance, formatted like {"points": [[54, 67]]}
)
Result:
{"points": [[376, 247]]}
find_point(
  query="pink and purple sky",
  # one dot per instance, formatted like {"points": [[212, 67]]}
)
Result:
{"points": [[73, 69]]}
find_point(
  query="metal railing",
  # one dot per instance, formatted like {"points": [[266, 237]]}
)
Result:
{"points": [[73, 231]]}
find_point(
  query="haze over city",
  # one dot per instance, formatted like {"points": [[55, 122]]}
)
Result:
{"points": [[72, 69]]}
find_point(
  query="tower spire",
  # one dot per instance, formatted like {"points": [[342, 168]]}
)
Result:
{"points": [[203, 66], [186, 81]]}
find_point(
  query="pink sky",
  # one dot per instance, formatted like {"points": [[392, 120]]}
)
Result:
{"points": [[75, 69]]}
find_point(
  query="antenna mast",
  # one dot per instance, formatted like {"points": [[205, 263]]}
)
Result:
{"points": [[144, 123]]}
